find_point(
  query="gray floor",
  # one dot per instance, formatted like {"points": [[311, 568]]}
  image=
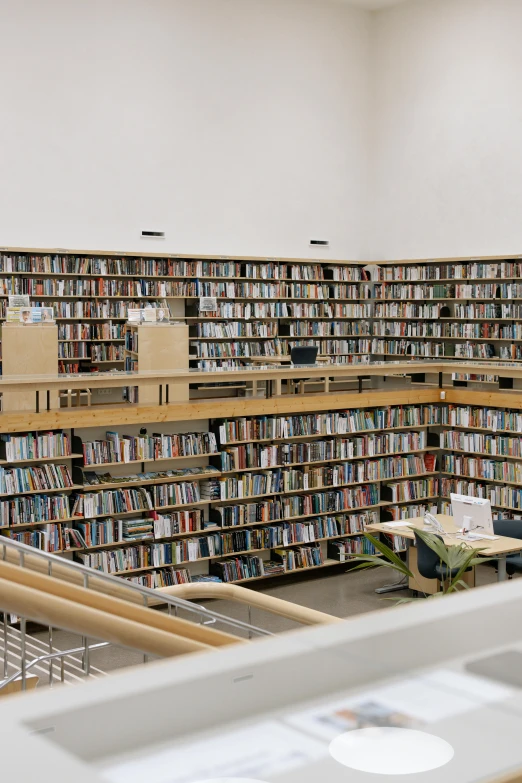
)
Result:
{"points": [[340, 594]]}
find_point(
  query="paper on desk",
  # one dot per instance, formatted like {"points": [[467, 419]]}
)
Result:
{"points": [[402, 523], [411, 702]]}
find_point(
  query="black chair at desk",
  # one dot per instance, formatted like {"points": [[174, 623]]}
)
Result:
{"points": [[512, 528], [429, 564], [303, 354]]}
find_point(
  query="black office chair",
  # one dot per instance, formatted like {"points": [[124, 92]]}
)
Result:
{"points": [[303, 354], [512, 528], [429, 564]]}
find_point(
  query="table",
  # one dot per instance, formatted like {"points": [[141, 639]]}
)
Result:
{"points": [[499, 548]]}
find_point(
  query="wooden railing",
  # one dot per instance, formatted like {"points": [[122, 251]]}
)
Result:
{"points": [[52, 602], [229, 592]]}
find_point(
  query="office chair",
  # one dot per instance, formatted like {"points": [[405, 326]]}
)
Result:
{"points": [[303, 354], [512, 528], [429, 564]]}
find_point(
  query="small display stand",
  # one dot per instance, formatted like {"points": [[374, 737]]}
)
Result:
{"points": [[153, 347], [28, 349]]}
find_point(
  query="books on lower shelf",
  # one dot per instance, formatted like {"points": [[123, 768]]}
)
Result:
{"points": [[130, 448], [34, 509], [34, 478], [297, 505], [34, 445], [335, 422], [254, 455]]}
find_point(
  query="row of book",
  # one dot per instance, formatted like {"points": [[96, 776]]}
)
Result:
{"points": [[296, 505], [348, 547], [34, 478], [100, 532], [93, 479], [482, 417], [413, 510], [267, 290], [158, 555], [481, 443], [421, 489], [256, 310], [273, 482], [462, 311], [164, 578], [331, 423], [474, 270], [231, 329], [91, 287], [277, 347], [96, 533], [102, 331], [50, 539], [445, 291], [174, 267], [254, 455], [131, 448], [403, 347], [34, 445], [34, 509], [96, 353], [131, 340], [476, 467], [498, 495], [329, 328], [100, 310], [115, 501], [455, 330], [300, 557]]}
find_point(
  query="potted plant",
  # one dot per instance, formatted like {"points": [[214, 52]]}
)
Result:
{"points": [[459, 556]]}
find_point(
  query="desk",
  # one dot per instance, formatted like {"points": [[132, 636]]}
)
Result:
{"points": [[499, 548]]}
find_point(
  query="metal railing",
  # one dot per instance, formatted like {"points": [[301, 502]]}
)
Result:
{"points": [[25, 556]]}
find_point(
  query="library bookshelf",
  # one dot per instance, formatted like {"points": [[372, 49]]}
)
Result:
{"points": [[265, 495], [352, 311]]}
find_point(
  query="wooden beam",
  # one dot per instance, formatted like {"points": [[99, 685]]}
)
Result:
{"points": [[109, 415]]}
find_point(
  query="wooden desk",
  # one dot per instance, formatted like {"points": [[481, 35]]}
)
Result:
{"points": [[499, 548]]}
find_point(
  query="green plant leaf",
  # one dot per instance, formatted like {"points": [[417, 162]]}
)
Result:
{"points": [[385, 550]]}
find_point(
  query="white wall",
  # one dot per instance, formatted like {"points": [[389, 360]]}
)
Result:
{"points": [[237, 126], [446, 146]]}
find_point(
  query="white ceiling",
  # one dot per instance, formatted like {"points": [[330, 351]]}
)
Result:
{"points": [[373, 5]]}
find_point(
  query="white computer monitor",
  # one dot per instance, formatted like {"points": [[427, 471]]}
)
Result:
{"points": [[479, 509]]}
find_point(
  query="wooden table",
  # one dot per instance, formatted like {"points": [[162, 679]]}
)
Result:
{"points": [[498, 548]]}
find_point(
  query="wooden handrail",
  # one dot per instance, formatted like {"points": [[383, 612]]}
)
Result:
{"points": [[229, 592], [84, 620], [147, 618], [147, 378]]}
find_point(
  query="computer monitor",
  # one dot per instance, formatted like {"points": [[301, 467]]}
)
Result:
{"points": [[479, 509]]}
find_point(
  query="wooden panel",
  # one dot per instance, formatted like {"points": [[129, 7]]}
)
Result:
{"points": [[163, 348], [28, 350]]}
